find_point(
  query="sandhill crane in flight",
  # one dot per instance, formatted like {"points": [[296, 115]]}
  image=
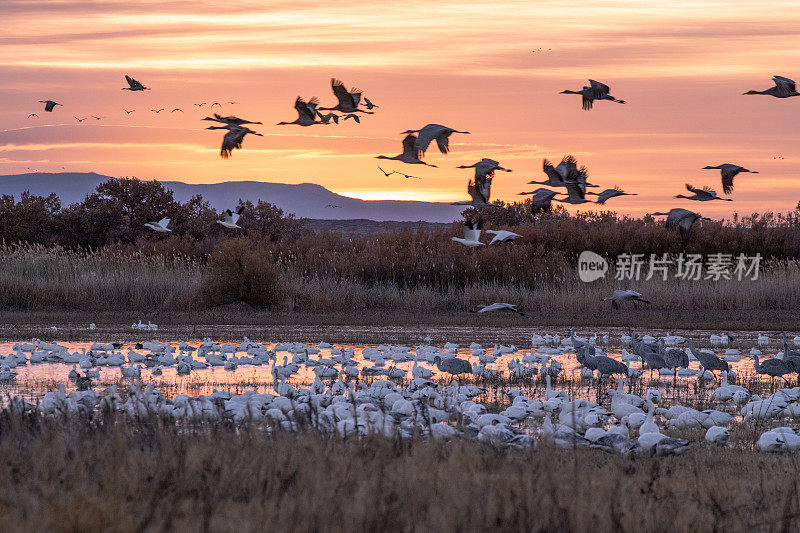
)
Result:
{"points": [[681, 219], [49, 105], [353, 116], [502, 236], [177, 109], [479, 190], [407, 176], [157, 111], [485, 167], [233, 121], [575, 182], [97, 118], [128, 112], [369, 105], [625, 296], [348, 100], [499, 306], [729, 171], [387, 174], [33, 115], [328, 117], [472, 234], [79, 119], [134, 85], [607, 194], [557, 176], [229, 218], [201, 104], [434, 131], [216, 104], [594, 91], [702, 195], [233, 139], [410, 154], [784, 88], [541, 200], [160, 226], [306, 116]]}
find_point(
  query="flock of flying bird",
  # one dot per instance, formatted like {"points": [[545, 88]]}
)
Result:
{"points": [[351, 104]]}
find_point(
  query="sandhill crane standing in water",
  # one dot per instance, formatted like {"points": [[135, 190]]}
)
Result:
{"points": [[607, 194], [702, 195], [134, 85], [625, 296], [229, 218], [348, 100], [233, 121], [160, 226], [410, 154], [594, 91], [49, 105], [681, 219], [472, 234], [729, 171], [773, 368], [784, 88], [434, 131], [233, 139], [499, 306], [306, 116]]}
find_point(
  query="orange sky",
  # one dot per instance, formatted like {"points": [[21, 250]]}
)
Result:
{"points": [[682, 67]]}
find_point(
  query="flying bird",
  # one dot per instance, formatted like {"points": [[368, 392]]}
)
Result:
{"points": [[234, 121], [127, 112], [201, 104], [79, 119], [430, 132], [479, 190], [784, 88], [134, 85], [485, 167], [328, 117], [33, 115], [681, 219], [306, 116], [472, 234], [49, 105], [97, 118], [160, 226], [607, 194], [556, 176], [625, 296], [729, 171], [575, 182], [408, 176], [216, 104], [499, 306], [353, 116], [541, 200], [594, 91], [177, 109], [502, 236], [369, 105], [410, 153], [157, 111], [229, 218], [348, 100], [387, 174], [233, 139], [702, 195], [334, 206]]}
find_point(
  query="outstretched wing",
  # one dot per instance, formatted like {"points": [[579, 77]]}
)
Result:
{"points": [[409, 145], [727, 179], [164, 222], [341, 94], [785, 85], [599, 89]]}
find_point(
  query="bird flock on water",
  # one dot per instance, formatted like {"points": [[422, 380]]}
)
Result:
{"points": [[402, 391]]}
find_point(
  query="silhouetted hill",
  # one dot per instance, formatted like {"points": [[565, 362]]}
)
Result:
{"points": [[304, 200]]}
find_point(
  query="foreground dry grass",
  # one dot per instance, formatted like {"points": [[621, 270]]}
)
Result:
{"points": [[127, 476]]}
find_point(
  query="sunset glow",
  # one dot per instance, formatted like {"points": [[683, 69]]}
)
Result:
{"points": [[476, 66]]}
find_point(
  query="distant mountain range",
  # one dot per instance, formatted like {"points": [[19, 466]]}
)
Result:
{"points": [[304, 200]]}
